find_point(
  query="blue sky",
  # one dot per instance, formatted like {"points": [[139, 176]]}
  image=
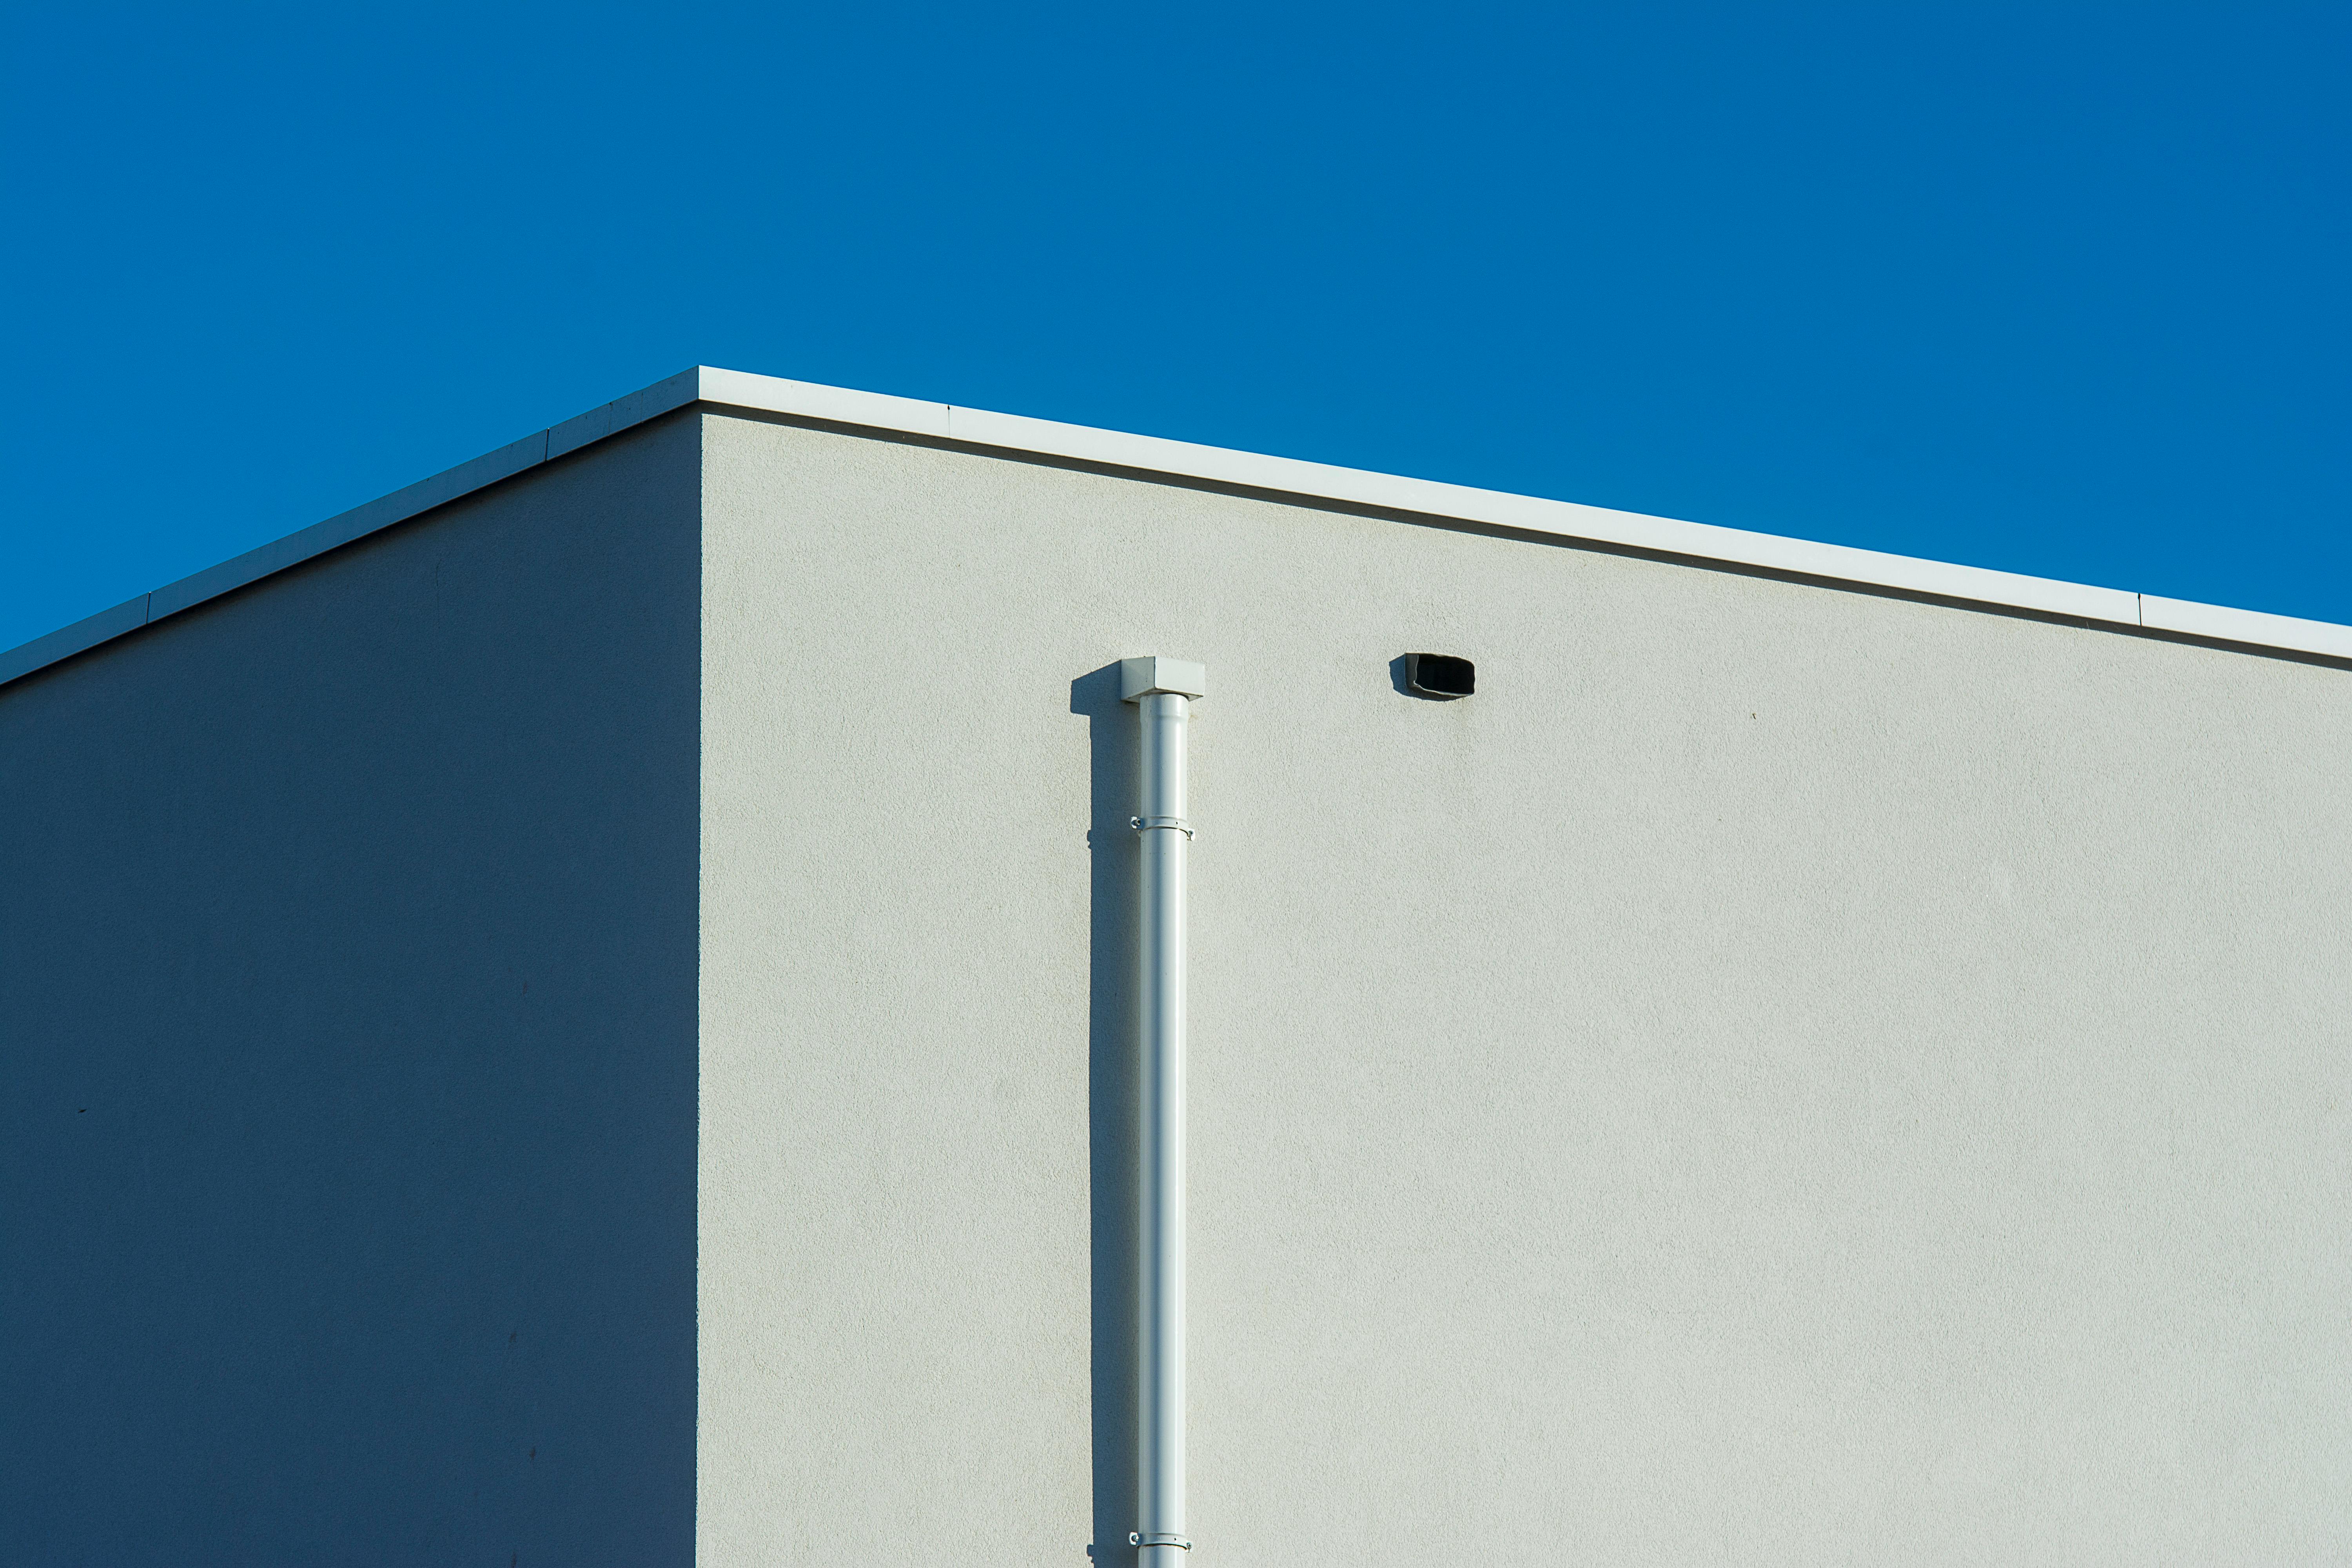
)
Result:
{"points": [[2055, 288]]}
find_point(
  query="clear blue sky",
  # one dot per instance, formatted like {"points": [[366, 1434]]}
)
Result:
{"points": [[2053, 288]]}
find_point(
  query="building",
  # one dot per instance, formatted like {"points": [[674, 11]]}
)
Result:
{"points": [[579, 1013]]}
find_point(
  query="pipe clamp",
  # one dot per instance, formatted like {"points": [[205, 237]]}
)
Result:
{"points": [[1137, 1538], [1144, 823]]}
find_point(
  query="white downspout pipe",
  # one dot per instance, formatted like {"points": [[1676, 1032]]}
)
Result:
{"points": [[1163, 690]]}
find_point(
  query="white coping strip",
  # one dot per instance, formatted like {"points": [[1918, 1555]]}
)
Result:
{"points": [[2251, 627], [1697, 542]]}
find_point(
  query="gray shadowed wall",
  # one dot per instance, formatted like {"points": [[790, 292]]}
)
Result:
{"points": [[1780, 1076], [347, 958]]}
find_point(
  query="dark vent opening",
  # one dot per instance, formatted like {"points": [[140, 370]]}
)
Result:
{"points": [[1440, 675]]}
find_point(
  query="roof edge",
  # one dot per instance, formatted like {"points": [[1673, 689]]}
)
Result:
{"points": [[1567, 522]]}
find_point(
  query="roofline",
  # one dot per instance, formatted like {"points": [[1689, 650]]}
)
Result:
{"points": [[1443, 505]]}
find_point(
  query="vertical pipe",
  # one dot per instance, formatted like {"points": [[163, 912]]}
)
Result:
{"points": [[1161, 1457], [1163, 690]]}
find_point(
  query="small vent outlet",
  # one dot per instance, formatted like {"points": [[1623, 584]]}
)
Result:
{"points": [[1440, 675]]}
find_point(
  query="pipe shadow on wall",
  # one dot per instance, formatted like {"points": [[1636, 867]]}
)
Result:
{"points": [[1110, 1102]]}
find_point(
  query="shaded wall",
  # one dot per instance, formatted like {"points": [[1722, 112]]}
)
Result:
{"points": [[347, 958], [1779, 1076]]}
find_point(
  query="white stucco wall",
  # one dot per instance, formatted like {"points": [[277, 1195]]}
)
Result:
{"points": [[1781, 1076]]}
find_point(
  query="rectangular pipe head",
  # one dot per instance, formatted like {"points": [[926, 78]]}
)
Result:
{"points": [[1139, 678]]}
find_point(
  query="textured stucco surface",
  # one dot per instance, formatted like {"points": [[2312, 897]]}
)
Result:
{"points": [[347, 961], [1779, 1077]]}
